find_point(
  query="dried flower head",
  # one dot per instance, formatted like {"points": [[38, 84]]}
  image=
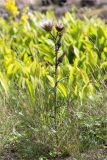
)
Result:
{"points": [[60, 27], [47, 25]]}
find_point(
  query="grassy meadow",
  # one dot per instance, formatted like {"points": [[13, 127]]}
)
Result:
{"points": [[53, 86]]}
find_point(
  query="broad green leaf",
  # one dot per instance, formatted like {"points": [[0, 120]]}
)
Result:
{"points": [[30, 87], [76, 51], [103, 65], [51, 80], [62, 89], [4, 82]]}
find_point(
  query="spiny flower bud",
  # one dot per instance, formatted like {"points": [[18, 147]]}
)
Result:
{"points": [[47, 25], [60, 27]]}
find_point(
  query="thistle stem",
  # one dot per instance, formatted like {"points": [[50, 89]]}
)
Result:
{"points": [[56, 84], [55, 91], [57, 47]]}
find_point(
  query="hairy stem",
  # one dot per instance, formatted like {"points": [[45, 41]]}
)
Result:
{"points": [[57, 47], [56, 83], [55, 92]]}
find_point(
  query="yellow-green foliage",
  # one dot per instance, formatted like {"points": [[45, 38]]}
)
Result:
{"points": [[27, 53], [27, 81]]}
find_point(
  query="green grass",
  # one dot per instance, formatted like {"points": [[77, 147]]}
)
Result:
{"points": [[27, 88], [26, 128]]}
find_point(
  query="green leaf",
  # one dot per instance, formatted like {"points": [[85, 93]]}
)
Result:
{"points": [[30, 87], [62, 89], [103, 65], [76, 51], [51, 80], [4, 83]]}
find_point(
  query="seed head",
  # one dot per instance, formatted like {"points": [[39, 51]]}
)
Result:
{"points": [[60, 27], [47, 25]]}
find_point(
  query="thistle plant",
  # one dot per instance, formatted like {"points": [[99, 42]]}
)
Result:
{"points": [[58, 59]]}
